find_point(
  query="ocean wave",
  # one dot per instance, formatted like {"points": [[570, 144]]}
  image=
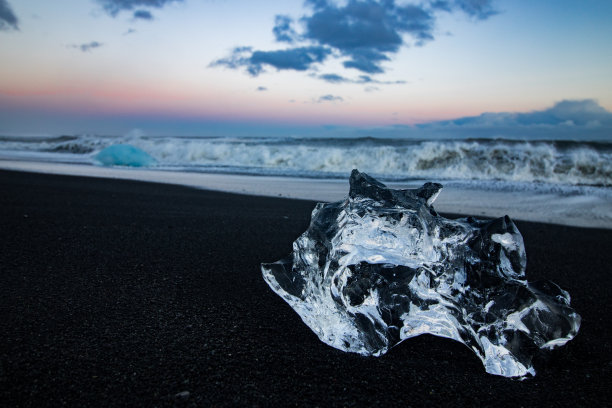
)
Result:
{"points": [[555, 162], [573, 164]]}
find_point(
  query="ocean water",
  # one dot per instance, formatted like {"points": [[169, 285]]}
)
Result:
{"points": [[494, 162], [555, 181]]}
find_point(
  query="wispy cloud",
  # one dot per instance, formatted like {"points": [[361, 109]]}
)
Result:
{"points": [[298, 59], [114, 7], [261, 89], [8, 19], [361, 79], [362, 33], [86, 47], [283, 30], [479, 9], [330, 98]]}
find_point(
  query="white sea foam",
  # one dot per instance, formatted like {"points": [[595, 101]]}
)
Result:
{"points": [[552, 162], [551, 181], [586, 207]]}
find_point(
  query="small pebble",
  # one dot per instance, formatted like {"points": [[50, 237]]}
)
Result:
{"points": [[182, 395]]}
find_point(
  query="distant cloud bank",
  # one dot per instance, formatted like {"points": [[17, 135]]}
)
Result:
{"points": [[585, 113], [8, 19], [579, 120], [565, 120], [362, 33]]}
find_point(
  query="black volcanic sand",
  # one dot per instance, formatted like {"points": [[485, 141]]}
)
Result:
{"points": [[120, 293]]}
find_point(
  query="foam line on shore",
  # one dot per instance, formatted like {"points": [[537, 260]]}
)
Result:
{"points": [[553, 208]]}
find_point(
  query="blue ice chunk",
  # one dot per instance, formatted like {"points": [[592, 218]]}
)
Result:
{"points": [[124, 155]]}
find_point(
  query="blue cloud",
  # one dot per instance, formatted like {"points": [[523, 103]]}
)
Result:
{"points": [[334, 78], [443, 5], [366, 62], [113, 7], [283, 32], [361, 79], [330, 98], [87, 46], [143, 15], [367, 31], [363, 33], [8, 19], [316, 4], [479, 9], [261, 89], [298, 59]]}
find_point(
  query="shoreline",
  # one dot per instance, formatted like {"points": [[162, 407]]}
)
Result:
{"points": [[552, 208]]}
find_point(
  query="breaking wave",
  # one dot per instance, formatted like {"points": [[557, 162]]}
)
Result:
{"points": [[556, 162]]}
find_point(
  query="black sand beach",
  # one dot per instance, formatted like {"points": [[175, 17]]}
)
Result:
{"points": [[119, 293]]}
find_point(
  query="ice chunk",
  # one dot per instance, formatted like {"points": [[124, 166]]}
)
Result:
{"points": [[382, 266], [124, 155]]}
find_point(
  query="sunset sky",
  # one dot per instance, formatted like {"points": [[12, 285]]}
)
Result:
{"points": [[225, 67]]}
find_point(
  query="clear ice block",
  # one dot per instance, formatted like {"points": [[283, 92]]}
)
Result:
{"points": [[382, 266]]}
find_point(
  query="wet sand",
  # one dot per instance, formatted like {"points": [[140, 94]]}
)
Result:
{"points": [[590, 208]]}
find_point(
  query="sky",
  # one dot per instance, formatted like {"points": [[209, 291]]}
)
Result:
{"points": [[367, 67]]}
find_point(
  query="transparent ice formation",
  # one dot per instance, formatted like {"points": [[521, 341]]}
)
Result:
{"points": [[382, 266]]}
